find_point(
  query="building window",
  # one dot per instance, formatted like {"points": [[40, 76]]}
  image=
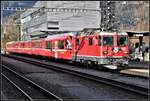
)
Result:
{"points": [[36, 45], [25, 19], [53, 27], [53, 23]]}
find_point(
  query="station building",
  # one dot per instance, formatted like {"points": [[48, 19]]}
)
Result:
{"points": [[138, 37], [76, 16]]}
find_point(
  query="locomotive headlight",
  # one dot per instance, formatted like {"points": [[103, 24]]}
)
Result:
{"points": [[125, 52], [62, 52], [105, 52]]}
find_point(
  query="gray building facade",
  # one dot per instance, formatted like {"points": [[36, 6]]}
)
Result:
{"points": [[63, 16], [77, 15]]}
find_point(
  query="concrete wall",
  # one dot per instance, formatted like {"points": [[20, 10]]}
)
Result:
{"points": [[64, 20], [74, 21]]}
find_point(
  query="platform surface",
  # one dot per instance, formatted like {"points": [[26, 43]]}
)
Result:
{"points": [[138, 72]]}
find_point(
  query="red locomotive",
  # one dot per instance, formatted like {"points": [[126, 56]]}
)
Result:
{"points": [[95, 47]]}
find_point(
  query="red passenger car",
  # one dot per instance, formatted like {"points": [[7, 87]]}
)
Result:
{"points": [[59, 46]]}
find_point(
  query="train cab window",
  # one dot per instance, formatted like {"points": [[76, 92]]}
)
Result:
{"points": [[61, 44], [48, 45], [70, 37], [108, 41], [122, 40], [77, 41], [99, 40], [90, 40], [68, 44]]}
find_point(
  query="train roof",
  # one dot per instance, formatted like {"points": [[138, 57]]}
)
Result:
{"points": [[65, 35], [60, 36], [113, 33], [98, 32], [11, 42]]}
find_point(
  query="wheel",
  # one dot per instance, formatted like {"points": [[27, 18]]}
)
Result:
{"points": [[95, 66], [91, 64], [75, 63], [82, 62], [86, 64], [100, 67]]}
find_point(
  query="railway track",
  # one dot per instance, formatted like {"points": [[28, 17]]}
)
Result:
{"points": [[122, 85], [29, 89]]}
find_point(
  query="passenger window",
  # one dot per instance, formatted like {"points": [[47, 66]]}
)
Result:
{"points": [[40, 45], [33, 45], [99, 41], [61, 44], [68, 44], [90, 41], [48, 45], [77, 41]]}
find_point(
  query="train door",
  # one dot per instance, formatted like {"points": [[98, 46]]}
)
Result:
{"points": [[68, 48], [49, 45], [68, 43], [75, 48], [105, 43], [49, 48], [55, 49], [100, 44]]}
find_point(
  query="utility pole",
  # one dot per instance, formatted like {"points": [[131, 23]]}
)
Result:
{"points": [[1, 14], [107, 14], [2, 27]]}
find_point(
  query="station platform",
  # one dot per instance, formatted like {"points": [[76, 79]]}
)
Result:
{"points": [[140, 65], [137, 68], [138, 72]]}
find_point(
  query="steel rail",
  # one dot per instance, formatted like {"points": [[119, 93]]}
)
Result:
{"points": [[34, 84], [23, 92], [125, 86]]}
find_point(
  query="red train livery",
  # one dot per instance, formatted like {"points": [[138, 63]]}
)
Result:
{"points": [[109, 49]]}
